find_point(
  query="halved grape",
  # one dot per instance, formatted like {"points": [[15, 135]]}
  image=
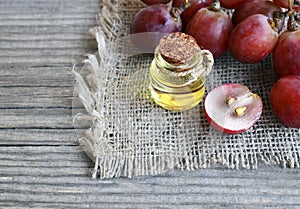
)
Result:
{"points": [[232, 108]]}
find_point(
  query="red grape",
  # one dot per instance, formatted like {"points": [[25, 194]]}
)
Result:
{"points": [[285, 4], [156, 21], [190, 11], [286, 55], [211, 30], [285, 102], [249, 8], [231, 4], [178, 3], [151, 2], [186, 3], [253, 39]]}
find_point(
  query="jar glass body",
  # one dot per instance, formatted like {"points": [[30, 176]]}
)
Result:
{"points": [[179, 86]]}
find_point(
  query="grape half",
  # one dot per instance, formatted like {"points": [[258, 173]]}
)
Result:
{"points": [[232, 108]]}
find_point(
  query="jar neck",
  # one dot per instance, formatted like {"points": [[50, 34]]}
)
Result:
{"points": [[178, 74], [178, 68]]}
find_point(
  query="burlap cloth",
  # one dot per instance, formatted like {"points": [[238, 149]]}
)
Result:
{"points": [[130, 135]]}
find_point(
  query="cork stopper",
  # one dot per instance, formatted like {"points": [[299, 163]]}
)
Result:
{"points": [[178, 48]]}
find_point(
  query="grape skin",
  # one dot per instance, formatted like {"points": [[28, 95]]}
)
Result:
{"points": [[178, 3], [286, 55], [155, 18], [284, 97], [151, 2], [252, 40], [195, 6], [154, 22], [213, 36], [231, 4], [249, 8], [285, 4]]}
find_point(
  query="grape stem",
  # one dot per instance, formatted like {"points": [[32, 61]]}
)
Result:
{"points": [[290, 5], [292, 23], [215, 6]]}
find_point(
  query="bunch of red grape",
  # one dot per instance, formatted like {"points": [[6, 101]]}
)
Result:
{"points": [[250, 30]]}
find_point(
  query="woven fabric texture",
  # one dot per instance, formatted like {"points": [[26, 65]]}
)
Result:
{"points": [[129, 135]]}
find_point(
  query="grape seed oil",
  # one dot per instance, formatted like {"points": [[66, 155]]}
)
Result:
{"points": [[177, 72]]}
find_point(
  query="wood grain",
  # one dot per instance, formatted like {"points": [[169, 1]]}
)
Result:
{"points": [[41, 163]]}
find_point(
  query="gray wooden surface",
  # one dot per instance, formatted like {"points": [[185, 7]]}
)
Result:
{"points": [[41, 164]]}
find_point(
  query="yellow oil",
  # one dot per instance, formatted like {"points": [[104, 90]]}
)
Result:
{"points": [[177, 72], [182, 95]]}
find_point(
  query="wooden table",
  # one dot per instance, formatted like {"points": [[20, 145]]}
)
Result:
{"points": [[41, 163]]}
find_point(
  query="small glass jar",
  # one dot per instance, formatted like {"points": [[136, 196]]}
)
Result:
{"points": [[177, 72]]}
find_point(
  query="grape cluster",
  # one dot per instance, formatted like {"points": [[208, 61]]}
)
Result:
{"points": [[250, 30]]}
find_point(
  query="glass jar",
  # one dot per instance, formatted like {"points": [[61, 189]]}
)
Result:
{"points": [[177, 72]]}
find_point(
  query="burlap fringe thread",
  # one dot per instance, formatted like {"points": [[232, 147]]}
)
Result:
{"points": [[91, 90]]}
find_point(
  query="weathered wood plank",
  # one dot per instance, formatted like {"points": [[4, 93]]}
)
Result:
{"points": [[47, 44], [39, 184], [141, 205], [201, 179], [14, 15], [41, 29], [36, 118], [36, 97], [43, 60], [195, 182], [43, 161], [25, 137], [46, 22], [40, 6], [83, 36], [32, 33], [78, 52], [147, 199], [36, 77]]}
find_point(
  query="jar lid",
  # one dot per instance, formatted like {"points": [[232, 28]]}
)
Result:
{"points": [[178, 48]]}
